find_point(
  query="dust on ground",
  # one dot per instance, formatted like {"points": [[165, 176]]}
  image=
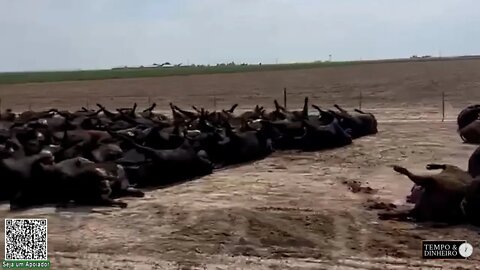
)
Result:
{"points": [[292, 210]]}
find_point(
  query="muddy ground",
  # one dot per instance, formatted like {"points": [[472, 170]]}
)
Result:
{"points": [[292, 210]]}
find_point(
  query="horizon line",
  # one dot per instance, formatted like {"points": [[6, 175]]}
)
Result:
{"points": [[153, 66]]}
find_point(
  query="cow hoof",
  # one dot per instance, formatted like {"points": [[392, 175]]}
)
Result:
{"points": [[121, 204], [433, 166], [400, 169]]}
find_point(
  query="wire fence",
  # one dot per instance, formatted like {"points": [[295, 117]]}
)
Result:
{"points": [[433, 105]]}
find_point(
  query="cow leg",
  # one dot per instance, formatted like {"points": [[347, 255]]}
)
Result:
{"points": [[359, 111], [340, 108], [435, 166], [417, 179], [305, 108], [278, 107], [402, 215]]}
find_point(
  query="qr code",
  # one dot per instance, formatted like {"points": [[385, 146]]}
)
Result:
{"points": [[25, 239]]}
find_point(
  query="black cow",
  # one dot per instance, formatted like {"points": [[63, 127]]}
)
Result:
{"points": [[359, 123]]}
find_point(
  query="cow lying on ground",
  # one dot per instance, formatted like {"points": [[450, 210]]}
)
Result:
{"points": [[438, 197], [469, 124]]}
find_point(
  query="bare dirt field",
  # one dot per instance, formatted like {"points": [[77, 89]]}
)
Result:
{"points": [[292, 210]]}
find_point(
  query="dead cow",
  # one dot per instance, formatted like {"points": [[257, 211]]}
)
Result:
{"points": [[441, 196], [471, 132]]}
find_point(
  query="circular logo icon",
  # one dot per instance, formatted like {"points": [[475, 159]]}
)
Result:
{"points": [[465, 250]]}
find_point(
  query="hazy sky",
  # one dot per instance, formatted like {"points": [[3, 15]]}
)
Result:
{"points": [[87, 34]]}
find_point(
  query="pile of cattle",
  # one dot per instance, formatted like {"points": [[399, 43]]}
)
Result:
{"points": [[94, 157], [451, 196]]}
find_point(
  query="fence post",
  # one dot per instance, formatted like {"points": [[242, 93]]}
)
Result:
{"points": [[285, 98], [443, 106], [360, 97]]}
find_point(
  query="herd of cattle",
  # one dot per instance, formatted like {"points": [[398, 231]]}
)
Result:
{"points": [[451, 196], [94, 157]]}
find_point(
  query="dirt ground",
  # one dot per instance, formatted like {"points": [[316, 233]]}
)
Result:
{"points": [[292, 210]]}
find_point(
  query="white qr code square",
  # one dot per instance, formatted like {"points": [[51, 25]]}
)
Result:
{"points": [[25, 239]]}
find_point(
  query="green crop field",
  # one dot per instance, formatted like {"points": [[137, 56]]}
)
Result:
{"points": [[57, 76]]}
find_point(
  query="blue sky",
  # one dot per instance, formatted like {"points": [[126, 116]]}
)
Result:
{"points": [[90, 34]]}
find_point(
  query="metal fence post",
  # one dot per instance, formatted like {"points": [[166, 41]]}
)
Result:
{"points": [[285, 97], [443, 106], [360, 100]]}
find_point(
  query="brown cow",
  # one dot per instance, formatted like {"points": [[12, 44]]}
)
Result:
{"points": [[441, 196]]}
